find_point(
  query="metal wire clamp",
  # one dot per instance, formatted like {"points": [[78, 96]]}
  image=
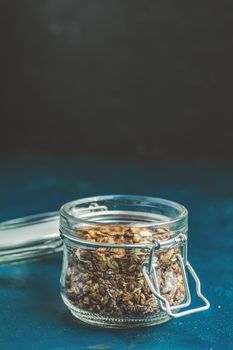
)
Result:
{"points": [[150, 274]]}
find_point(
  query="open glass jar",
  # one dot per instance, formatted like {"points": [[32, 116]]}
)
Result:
{"points": [[125, 261]]}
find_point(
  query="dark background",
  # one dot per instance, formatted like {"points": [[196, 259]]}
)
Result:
{"points": [[117, 78]]}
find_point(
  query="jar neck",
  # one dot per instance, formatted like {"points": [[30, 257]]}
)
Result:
{"points": [[132, 211]]}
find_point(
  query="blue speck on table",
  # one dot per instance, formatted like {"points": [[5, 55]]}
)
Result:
{"points": [[33, 315]]}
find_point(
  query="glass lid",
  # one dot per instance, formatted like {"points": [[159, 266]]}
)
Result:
{"points": [[29, 238]]}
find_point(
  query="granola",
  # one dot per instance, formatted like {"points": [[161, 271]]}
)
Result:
{"points": [[109, 281]]}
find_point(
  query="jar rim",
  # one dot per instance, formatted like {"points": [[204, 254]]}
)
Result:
{"points": [[68, 219], [64, 210]]}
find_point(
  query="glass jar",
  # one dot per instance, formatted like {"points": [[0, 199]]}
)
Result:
{"points": [[125, 261]]}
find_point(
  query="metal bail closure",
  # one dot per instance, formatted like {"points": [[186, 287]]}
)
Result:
{"points": [[150, 275]]}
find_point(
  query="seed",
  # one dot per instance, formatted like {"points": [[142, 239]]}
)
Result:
{"points": [[96, 286], [136, 238], [132, 268], [109, 281]]}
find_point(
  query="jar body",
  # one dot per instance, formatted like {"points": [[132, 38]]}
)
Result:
{"points": [[108, 288], [104, 285]]}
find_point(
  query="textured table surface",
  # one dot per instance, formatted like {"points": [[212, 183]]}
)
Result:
{"points": [[33, 315]]}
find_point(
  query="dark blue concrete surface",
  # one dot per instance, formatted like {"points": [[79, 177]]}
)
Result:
{"points": [[33, 315]]}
